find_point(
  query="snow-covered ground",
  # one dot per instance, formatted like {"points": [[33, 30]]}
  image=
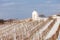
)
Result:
{"points": [[23, 27], [54, 28]]}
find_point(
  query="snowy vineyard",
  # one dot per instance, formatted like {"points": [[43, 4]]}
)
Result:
{"points": [[31, 29]]}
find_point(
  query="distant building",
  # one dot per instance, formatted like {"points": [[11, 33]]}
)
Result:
{"points": [[35, 16], [56, 16]]}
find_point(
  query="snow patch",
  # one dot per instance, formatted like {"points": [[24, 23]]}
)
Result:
{"points": [[45, 27], [53, 30]]}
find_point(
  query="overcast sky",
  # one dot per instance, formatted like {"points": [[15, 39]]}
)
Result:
{"points": [[23, 8]]}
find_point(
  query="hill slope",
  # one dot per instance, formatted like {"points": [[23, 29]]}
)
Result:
{"points": [[30, 29]]}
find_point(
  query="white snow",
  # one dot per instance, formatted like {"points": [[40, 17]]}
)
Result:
{"points": [[59, 36], [45, 27], [53, 30]]}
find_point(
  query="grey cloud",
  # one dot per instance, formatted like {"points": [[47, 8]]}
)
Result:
{"points": [[7, 4], [5, 0]]}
